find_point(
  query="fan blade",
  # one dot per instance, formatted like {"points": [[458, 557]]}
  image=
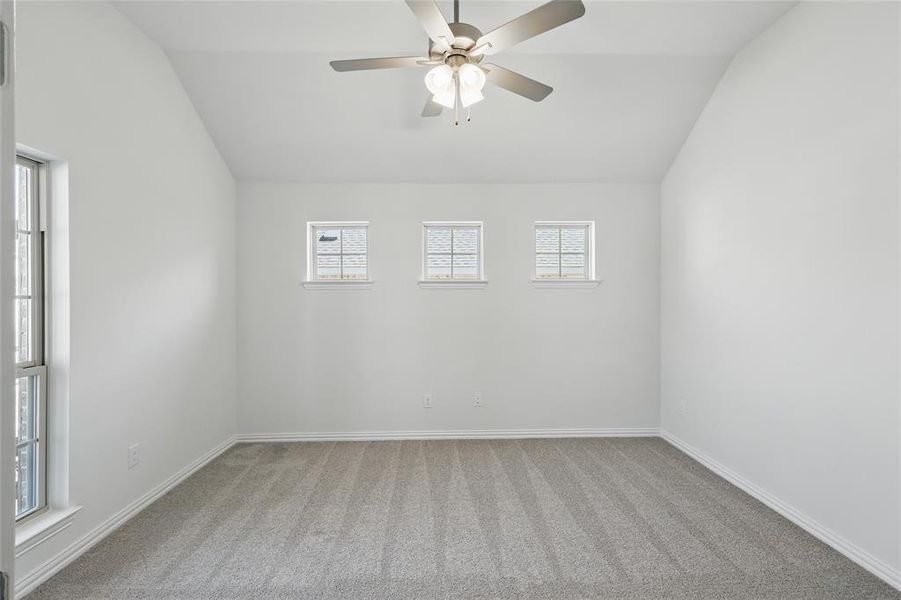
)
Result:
{"points": [[365, 64], [431, 109], [516, 83], [432, 20], [544, 18]]}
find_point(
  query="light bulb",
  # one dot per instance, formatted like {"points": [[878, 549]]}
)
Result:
{"points": [[471, 77], [440, 79]]}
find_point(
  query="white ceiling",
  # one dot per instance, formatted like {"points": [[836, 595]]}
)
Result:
{"points": [[629, 79]]}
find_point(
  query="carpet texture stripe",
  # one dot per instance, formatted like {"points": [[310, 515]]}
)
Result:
{"points": [[629, 519]]}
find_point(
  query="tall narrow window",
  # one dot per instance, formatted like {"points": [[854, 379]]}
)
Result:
{"points": [[338, 251], [563, 251], [452, 251], [31, 369]]}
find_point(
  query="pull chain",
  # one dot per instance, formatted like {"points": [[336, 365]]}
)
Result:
{"points": [[456, 100], [468, 114]]}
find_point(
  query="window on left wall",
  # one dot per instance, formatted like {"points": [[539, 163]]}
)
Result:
{"points": [[338, 252], [31, 367]]}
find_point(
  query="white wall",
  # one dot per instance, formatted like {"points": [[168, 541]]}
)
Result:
{"points": [[780, 272], [360, 360], [152, 254]]}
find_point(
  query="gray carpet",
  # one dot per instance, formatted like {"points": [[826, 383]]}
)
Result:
{"points": [[550, 519]]}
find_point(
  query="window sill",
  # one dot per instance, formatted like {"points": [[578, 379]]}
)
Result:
{"points": [[448, 284], [348, 284], [566, 283], [43, 527]]}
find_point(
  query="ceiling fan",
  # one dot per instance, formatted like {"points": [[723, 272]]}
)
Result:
{"points": [[456, 52]]}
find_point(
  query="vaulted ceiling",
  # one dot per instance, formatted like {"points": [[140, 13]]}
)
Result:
{"points": [[629, 80]]}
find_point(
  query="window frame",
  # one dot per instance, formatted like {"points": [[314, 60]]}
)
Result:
{"points": [[480, 279], [36, 367], [312, 280], [589, 277]]}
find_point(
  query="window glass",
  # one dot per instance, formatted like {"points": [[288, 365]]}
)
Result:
{"points": [[562, 251], [28, 311], [452, 252], [340, 252]]}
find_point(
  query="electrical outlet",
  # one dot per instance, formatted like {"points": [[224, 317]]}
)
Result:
{"points": [[427, 401], [134, 455], [477, 400]]}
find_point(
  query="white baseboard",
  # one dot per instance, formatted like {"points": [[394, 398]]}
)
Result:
{"points": [[29, 582], [877, 567], [463, 434]]}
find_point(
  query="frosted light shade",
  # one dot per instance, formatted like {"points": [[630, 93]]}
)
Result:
{"points": [[439, 79], [446, 98], [471, 77], [470, 97]]}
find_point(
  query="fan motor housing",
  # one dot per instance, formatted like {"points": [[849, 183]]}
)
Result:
{"points": [[465, 36]]}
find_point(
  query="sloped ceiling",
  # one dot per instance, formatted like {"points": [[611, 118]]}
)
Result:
{"points": [[629, 79]]}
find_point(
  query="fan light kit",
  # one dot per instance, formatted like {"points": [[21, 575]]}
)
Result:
{"points": [[456, 51]]}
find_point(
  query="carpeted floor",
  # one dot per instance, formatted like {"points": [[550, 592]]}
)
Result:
{"points": [[550, 519]]}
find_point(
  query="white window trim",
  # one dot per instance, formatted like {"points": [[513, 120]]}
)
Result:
{"points": [[43, 527], [58, 514], [450, 284], [573, 284], [311, 283], [591, 281], [358, 284]]}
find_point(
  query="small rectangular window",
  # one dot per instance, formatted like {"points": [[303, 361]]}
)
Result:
{"points": [[452, 251], [338, 252], [563, 251], [31, 368]]}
